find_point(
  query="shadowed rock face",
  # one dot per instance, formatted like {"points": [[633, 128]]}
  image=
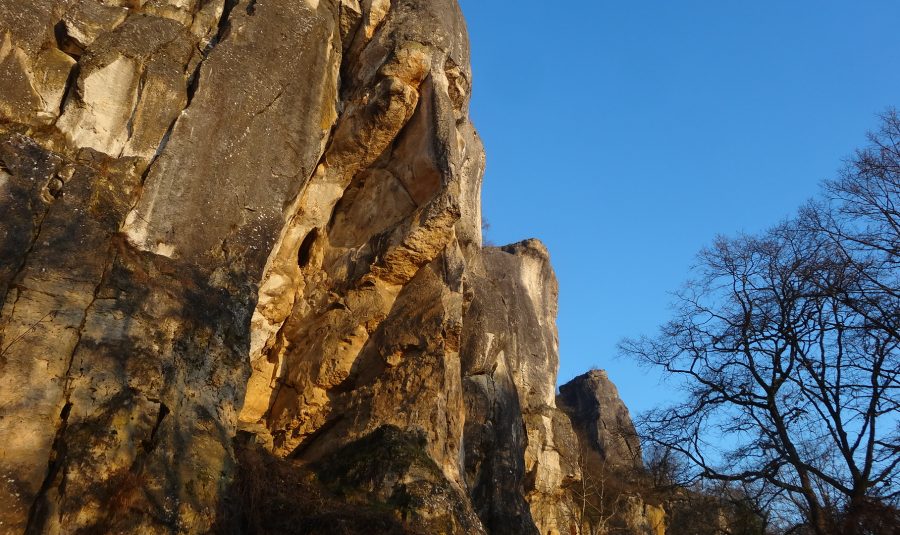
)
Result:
{"points": [[261, 218], [510, 359], [600, 417]]}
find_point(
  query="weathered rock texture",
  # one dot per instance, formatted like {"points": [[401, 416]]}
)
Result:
{"points": [[609, 454], [261, 219], [601, 418]]}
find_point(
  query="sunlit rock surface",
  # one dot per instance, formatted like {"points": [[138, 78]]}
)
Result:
{"points": [[239, 236]]}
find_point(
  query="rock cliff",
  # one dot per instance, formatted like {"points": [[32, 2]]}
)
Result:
{"points": [[240, 241], [601, 418]]}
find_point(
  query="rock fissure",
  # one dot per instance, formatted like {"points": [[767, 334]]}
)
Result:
{"points": [[151, 442], [129, 125], [222, 27], [159, 151], [66, 378], [268, 267], [55, 465], [193, 81], [271, 103], [17, 273], [79, 331]]}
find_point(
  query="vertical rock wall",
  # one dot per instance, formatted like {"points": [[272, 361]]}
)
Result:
{"points": [[150, 151], [518, 443], [261, 216]]}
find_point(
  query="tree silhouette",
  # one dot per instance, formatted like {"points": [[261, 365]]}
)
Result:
{"points": [[787, 346]]}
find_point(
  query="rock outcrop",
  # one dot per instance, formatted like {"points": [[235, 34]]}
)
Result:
{"points": [[518, 442], [241, 239], [609, 455], [601, 419]]}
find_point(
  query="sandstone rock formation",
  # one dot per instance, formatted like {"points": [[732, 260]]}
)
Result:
{"points": [[609, 454], [232, 222], [517, 441], [601, 418]]}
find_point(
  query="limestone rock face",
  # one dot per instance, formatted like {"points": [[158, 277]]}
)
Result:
{"points": [[251, 229]]}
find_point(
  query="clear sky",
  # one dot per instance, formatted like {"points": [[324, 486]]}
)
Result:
{"points": [[626, 134]]}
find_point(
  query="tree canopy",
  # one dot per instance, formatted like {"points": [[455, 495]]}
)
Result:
{"points": [[787, 344]]}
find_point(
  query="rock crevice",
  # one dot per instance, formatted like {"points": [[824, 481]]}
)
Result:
{"points": [[244, 235]]}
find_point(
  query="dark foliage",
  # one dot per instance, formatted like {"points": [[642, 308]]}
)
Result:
{"points": [[274, 496]]}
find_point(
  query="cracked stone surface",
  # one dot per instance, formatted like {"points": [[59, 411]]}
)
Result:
{"points": [[260, 217]]}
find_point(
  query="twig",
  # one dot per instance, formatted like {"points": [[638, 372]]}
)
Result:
{"points": [[26, 331]]}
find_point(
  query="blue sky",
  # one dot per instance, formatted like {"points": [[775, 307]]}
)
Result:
{"points": [[626, 135]]}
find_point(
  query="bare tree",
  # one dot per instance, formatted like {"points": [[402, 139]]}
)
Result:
{"points": [[787, 347], [698, 507], [860, 218], [599, 497]]}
